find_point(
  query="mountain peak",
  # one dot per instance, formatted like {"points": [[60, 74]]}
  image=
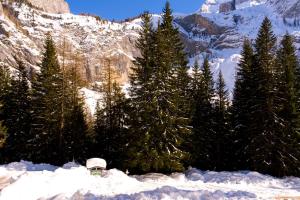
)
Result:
{"points": [[53, 6], [220, 6]]}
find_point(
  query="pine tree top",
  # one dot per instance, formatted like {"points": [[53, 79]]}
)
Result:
{"points": [[167, 16], [49, 61], [266, 39]]}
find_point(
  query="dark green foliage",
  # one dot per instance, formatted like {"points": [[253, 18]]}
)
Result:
{"points": [[287, 96], [17, 118], [3, 133], [4, 89], [242, 103], [75, 127], [194, 96], [59, 130], [5, 80], [75, 135], [222, 141], [47, 110], [109, 128], [159, 123], [265, 127], [287, 80], [141, 101], [144, 64], [265, 116], [202, 121], [196, 88], [171, 120]]}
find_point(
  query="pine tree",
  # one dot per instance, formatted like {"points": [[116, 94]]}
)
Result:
{"points": [[157, 145], [4, 89], [195, 94], [175, 60], [195, 87], [75, 135], [287, 97], [3, 133], [47, 110], [109, 128], [202, 121], [5, 80], [222, 143], [143, 65], [17, 116], [266, 145], [141, 98], [241, 105]]}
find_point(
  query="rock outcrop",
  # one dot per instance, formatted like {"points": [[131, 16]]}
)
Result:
{"points": [[1, 9], [23, 29], [287, 8], [226, 7], [52, 6]]}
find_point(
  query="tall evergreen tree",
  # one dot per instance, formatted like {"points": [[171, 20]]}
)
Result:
{"points": [[5, 81], [287, 97], [4, 89], [196, 86], [195, 94], [241, 105], [202, 121], [47, 109], [157, 144], [266, 140], [222, 140], [141, 98], [17, 116]]}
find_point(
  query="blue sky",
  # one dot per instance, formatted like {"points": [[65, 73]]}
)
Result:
{"points": [[121, 9]]}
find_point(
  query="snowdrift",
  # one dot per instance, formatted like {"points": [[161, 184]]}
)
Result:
{"points": [[24, 180]]}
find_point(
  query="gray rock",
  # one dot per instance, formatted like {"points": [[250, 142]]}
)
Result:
{"points": [[226, 7], [53, 6], [1, 10]]}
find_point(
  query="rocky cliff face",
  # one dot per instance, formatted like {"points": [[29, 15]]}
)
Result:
{"points": [[222, 6], [287, 8], [23, 30], [214, 34], [52, 6], [1, 10]]}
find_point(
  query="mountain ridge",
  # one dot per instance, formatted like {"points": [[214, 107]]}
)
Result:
{"points": [[216, 35]]}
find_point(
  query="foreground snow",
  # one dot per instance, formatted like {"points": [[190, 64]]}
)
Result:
{"points": [[28, 181]]}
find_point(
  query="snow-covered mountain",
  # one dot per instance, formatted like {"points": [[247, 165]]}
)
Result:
{"points": [[217, 29], [242, 21]]}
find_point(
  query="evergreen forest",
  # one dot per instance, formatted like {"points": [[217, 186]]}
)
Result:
{"points": [[172, 117]]}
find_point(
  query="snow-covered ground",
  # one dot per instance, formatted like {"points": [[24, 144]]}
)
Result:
{"points": [[25, 180]]}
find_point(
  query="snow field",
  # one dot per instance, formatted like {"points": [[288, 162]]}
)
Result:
{"points": [[30, 181]]}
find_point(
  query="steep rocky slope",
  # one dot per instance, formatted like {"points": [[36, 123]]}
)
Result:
{"points": [[56, 6], [217, 30], [23, 30]]}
